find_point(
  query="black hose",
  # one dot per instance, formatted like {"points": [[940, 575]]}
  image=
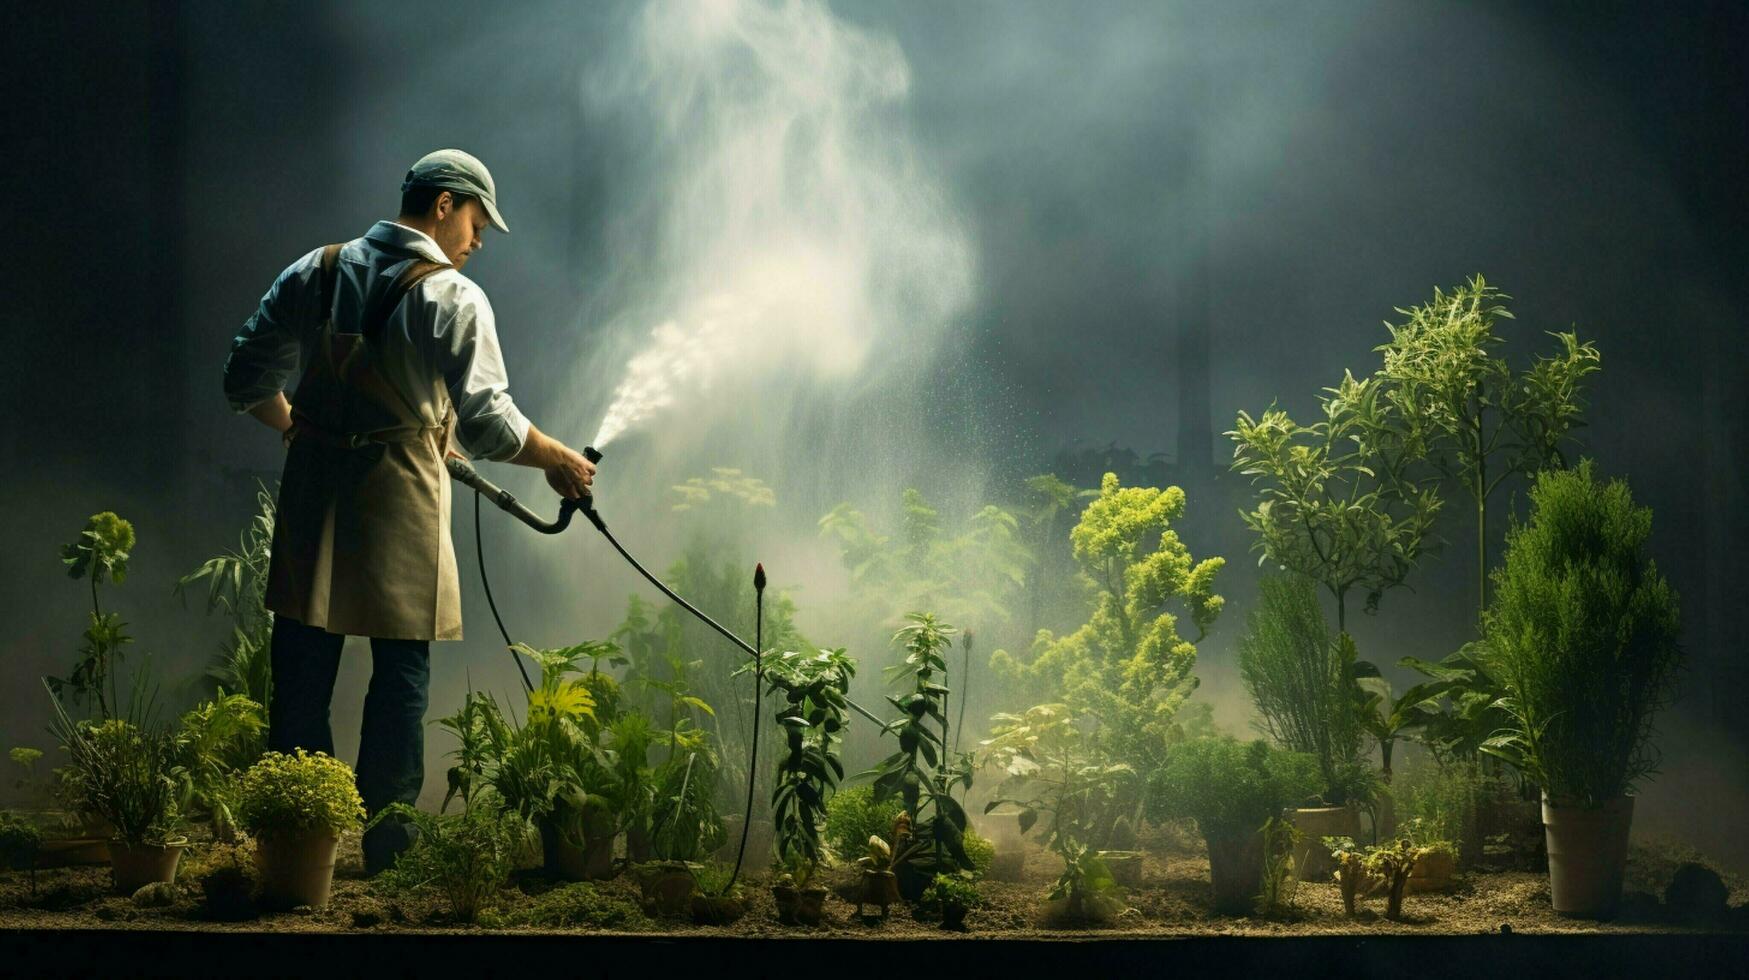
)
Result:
{"points": [[480, 552]]}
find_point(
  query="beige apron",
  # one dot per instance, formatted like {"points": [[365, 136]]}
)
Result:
{"points": [[361, 542]]}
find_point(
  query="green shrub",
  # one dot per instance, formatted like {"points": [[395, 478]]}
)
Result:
{"points": [[1230, 788], [981, 850], [956, 890], [123, 773], [466, 856], [295, 794], [1301, 678], [853, 816], [1582, 634], [19, 839]]}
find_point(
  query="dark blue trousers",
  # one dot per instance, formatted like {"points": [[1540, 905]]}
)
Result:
{"points": [[391, 746]]}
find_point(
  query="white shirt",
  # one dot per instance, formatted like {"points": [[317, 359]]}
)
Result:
{"points": [[443, 329]]}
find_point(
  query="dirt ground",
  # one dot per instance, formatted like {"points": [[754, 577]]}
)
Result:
{"points": [[1172, 901]]}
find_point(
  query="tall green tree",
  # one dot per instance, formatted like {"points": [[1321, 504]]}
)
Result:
{"points": [[1480, 421]]}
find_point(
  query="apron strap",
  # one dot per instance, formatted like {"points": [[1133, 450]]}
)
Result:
{"points": [[330, 272], [411, 274]]}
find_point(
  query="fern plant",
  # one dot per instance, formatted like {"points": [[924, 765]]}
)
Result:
{"points": [[236, 584]]}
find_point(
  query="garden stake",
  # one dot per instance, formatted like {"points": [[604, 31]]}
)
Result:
{"points": [[758, 685]]}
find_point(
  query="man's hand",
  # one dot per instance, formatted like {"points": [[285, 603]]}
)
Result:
{"points": [[572, 476], [568, 472]]}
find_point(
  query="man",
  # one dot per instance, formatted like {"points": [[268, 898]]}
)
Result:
{"points": [[401, 364]]}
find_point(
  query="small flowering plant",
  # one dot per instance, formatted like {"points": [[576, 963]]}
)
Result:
{"points": [[289, 795]]}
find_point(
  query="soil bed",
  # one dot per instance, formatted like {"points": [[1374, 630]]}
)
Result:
{"points": [[1173, 901]]}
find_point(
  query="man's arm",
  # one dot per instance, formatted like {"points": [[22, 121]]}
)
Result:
{"points": [[488, 423], [568, 472], [265, 353], [275, 413]]}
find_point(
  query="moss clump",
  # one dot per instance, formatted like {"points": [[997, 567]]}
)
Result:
{"points": [[575, 905], [852, 817], [980, 849]]}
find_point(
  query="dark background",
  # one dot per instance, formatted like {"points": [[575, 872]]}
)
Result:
{"points": [[1178, 211]]}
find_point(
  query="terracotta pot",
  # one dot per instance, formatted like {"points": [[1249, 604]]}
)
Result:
{"points": [[878, 888], [788, 900], [1311, 858], [811, 906], [591, 860], [667, 887], [1236, 870], [1125, 867], [1588, 851], [296, 869], [717, 910], [1432, 872], [137, 865]]}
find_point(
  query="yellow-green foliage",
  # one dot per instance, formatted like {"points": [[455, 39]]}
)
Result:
{"points": [[980, 849], [1128, 665], [290, 794]]}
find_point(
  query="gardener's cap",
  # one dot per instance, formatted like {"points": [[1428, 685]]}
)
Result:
{"points": [[455, 170]]}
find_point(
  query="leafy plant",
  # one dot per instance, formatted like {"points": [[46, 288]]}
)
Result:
{"points": [[1344, 501], [811, 716], [1583, 635], [122, 772], [1302, 680], [1392, 865], [467, 856], [287, 795], [101, 552], [921, 774], [1480, 421], [1127, 665], [236, 584], [217, 739], [28, 782], [980, 850], [1230, 788], [1280, 878], [550, 767], [1464, 699], [948, 892], [685, 825], [19, 840], [1056, 769]]}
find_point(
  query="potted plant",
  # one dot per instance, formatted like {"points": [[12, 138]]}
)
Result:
{"points": [[683, 828], [1582, 634], [954, 895], [717, 898], [812, 691], [1059, 769], [1302, 680], [1231, 789], [296, 807], [126, 775], [879, 886]]}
